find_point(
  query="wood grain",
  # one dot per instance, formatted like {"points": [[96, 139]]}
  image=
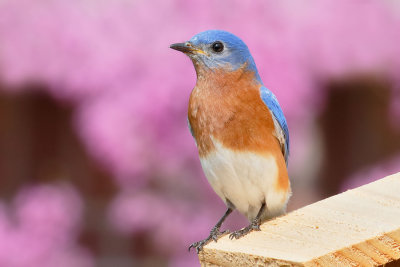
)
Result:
{"points": [[360, 227]]}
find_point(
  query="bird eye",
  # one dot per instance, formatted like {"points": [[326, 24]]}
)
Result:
{"points": [[217, 46]]}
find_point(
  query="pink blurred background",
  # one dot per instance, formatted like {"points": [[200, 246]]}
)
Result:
{"points": [[97, 166]]}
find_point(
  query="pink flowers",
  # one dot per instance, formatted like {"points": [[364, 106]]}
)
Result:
{"points": [[111, 60], [40, 228]]}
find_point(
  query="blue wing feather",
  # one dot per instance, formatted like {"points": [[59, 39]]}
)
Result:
{"points": [[190, 127], [270, 100]]}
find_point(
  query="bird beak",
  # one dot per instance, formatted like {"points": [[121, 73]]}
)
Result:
{"points": [[187, 48]]}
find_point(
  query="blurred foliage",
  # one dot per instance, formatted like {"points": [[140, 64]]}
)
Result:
{"points": [[95, 157]]}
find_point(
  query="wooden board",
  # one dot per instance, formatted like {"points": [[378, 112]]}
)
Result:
{"points": [[360, 227]]}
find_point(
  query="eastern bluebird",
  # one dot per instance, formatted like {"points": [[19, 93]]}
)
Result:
{"points": [[240, 131]]}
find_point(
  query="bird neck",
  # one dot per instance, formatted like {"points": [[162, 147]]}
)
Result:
{"points": [[218, 82], [223, 77]]}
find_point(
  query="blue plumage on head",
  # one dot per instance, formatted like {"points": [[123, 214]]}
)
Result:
{"points": [[234, 53]]}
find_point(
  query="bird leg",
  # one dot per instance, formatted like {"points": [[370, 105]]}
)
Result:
{"points": [[214, 234], [254, 225]]}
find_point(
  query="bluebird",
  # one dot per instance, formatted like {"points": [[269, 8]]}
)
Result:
{"points": [[239, 129]]}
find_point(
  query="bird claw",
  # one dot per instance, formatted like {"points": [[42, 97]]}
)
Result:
{"points": [[239, 233], [214, 235], [254, 226], [198, 245]]}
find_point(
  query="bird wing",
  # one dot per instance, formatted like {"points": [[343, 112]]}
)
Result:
{"points": [[190, 127], [281, 127]]}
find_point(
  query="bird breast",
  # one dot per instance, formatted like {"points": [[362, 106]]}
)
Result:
{"points": [[228, 107]]}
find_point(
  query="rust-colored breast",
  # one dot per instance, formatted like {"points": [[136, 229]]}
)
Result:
{"points": [[227, 107]]}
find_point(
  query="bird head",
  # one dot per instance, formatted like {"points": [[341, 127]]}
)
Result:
{"points": [[216, 49]]}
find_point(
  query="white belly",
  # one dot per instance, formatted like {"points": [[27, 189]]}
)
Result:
{"points": [[245, 179]]}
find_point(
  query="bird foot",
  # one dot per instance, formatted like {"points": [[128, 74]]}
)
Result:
{"points": [[214, 235], [253, 226]]}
